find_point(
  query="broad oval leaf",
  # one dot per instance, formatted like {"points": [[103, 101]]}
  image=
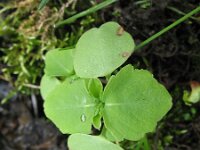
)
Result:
{"points": [[71, 107], [100, 51], [134, 103], [59, 62], [47, 85], [88, 142]]}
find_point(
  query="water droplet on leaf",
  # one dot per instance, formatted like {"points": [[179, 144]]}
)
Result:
{"points": [[83, 118], [125, 54]]}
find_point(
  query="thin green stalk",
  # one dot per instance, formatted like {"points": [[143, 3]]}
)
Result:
{"points": [[86, 12], [153, 37], [180, 12]]}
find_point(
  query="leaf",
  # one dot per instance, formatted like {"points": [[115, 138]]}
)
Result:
{"points": [[100, 51], [97, 121], [134, 103], [88, 142], [42, 4], [71, 107], [59, 63], [193, 96], [95, 87], [47, 85]]}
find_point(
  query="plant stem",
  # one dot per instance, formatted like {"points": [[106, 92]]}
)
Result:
{"points": [[32, 86], [153, 37], [180, 12], [86, 12]]}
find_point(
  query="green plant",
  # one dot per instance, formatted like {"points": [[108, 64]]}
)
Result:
{"points": [[128, 107], [131, 97]]}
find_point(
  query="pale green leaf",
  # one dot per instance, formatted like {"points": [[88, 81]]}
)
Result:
{"points": [[71, 107], [88, 142], [97, 121], [193, 96], [95, 87], [100, 51], [47, 85], [134, 103], [59, 63]]}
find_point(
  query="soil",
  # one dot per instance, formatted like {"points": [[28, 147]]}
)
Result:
{"points": [[24, 127], [173, 59]]}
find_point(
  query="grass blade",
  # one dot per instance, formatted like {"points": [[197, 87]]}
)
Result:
{"points": [[86, 12], [153, 37]]}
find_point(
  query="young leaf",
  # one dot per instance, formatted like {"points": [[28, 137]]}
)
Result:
{"points": [[100, 51], [59, 63], [134, 103], [71, 107], [95, 87], [193, 96], [88, 142], [47, 85], [97, 121]]}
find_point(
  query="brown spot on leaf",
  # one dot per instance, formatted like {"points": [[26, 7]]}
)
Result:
{"points": [[120, 31], [125, 54]]}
